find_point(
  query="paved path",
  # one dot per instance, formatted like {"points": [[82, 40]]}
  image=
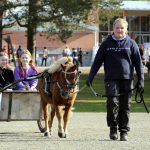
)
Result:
{"points": [[87, 131]]}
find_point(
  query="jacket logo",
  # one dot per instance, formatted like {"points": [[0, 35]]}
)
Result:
{"points": [[117, 49]]}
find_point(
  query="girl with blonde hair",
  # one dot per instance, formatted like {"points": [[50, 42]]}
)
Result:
{"points": [[24, 69]]}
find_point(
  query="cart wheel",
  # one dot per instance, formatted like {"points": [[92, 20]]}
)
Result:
{"points": [[40, 121], [41, 124]]}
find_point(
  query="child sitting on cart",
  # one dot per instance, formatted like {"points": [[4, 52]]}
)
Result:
{"points": [[24, 69], [6, 72]]}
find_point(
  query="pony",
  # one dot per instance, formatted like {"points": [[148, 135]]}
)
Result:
{"points": [[63, 85]]}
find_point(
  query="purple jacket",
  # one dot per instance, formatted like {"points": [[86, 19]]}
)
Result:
{"points": [[26, 72]]}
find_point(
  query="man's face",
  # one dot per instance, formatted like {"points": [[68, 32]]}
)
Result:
{"points": [[119, 30]]}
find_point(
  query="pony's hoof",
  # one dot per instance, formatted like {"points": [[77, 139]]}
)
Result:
{"points": [[46, 134], [61, 135], [65, 136]]}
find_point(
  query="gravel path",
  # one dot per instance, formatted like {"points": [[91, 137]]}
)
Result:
{"points": [[87, 131]]}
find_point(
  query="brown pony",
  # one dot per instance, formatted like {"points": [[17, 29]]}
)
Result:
{"points": [[64, 91]]}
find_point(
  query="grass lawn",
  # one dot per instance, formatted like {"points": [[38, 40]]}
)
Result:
{"points": [[87, 102]]}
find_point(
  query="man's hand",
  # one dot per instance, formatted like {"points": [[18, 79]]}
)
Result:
{"points": [[88, 83], [140, 84]]}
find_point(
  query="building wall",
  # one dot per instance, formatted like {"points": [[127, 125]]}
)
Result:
{"points": [[84, 40]]}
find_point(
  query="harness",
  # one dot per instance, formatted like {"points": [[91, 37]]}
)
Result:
{"points": [[39, 75], [139, 92], [68, 88]]}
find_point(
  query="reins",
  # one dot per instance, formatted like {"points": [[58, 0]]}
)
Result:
{"points": [[138, 91], [68, 85], [39, 75]]}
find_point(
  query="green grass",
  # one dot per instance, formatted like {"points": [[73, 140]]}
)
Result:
{"points": [[87, 102]]}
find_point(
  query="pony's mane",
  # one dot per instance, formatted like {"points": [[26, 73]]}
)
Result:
{"points": [[56, 65]]}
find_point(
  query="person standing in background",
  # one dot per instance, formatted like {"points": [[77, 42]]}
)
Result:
{"points": [[63, 53], [120, 55], [75, 56], [5, 50], [67, 51], [19, 51], [45, 56], [80, 57]]}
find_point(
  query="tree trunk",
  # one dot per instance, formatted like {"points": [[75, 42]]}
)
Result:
{"points": [[32, 25], [31, 41]]}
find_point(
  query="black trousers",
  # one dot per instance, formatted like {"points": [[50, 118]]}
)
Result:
{"points": [[118, 108]]}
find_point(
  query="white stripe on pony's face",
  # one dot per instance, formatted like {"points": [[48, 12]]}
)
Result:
{"points": [[67, 68], [70, 76]]}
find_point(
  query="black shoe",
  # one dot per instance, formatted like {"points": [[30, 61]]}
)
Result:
{"points": [[123, 136], [113, 133]]}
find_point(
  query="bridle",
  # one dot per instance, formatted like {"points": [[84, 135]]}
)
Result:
{"points": [[68, 88], [68, 73]]}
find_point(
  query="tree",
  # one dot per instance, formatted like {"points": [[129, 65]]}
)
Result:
{"points": [[4, 23], [57, 17], [108, 10]]}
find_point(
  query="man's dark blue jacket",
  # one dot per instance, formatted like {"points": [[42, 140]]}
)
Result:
{"points": [[120, 57]]}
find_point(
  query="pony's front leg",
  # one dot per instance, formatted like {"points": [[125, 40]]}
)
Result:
{"points": [[67, 115], [60, 117], [46, 118], [52, 114]]}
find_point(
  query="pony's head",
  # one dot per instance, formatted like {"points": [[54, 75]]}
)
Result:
{"points": [[69, 73], [69, 78]]}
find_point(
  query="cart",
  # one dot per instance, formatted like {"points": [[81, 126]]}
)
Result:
{"points": [[21, 106]]}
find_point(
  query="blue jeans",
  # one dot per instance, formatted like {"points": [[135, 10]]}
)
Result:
{"points": [[44, 59]]}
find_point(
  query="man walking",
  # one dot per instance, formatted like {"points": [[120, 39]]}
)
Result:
{"points": [[45, 56]]}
